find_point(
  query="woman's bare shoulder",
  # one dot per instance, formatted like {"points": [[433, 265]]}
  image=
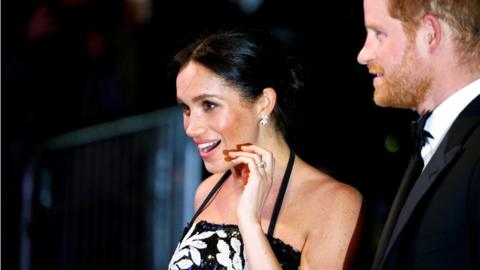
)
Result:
{"points": [[327, 192], [332, 215]]}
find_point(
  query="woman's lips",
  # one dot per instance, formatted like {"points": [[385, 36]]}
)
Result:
{"points": [[207, 147]]}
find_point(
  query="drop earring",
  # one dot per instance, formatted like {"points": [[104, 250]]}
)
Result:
{"points": [[263, 119]]}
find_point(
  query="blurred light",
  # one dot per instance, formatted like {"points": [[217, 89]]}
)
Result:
{"points": [[45, 196], [138, 11], [249, 6], [391, 144]]}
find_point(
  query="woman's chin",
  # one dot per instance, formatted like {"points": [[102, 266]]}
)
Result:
{"points": [[217, 168]]}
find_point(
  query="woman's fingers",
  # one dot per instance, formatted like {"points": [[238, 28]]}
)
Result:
{"points": [[262, 164], [265, 155], [252, 163], [256, 158]]}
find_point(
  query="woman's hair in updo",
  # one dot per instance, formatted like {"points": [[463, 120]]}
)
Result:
{"points": [[249, 60]]}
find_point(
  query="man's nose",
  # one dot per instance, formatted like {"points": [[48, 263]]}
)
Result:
{"points": [[366, 54]]}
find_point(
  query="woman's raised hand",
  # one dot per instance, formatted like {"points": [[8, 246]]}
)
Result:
{"points": [[260, 164]]}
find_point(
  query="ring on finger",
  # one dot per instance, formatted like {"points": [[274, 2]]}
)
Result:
{"points": [[262, 164]]}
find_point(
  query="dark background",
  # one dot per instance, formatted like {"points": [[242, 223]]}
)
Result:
{"points": [[68, 64]]}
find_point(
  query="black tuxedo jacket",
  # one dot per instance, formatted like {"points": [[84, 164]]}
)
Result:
{"points": [[437, 223]]}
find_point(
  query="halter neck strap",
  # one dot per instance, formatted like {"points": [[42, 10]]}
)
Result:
{"points": [[211, 194], [281, 193], [278, 202]]}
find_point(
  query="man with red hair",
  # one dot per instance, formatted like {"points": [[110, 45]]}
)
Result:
{"points": [[425, 55]]}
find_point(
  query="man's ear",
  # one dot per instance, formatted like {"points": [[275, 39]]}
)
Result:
{"points": [[266, 102], [431, 32]]}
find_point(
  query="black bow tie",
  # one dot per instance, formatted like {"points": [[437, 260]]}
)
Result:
{"points": [[418, 133]]}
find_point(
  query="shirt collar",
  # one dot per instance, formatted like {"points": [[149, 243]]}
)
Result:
{"points": [[445, 114]]}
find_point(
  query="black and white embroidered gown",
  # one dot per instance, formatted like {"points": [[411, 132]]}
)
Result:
{"points": [[206, 245]]}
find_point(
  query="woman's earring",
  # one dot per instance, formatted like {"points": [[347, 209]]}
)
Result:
{"points": [[263, 119]]}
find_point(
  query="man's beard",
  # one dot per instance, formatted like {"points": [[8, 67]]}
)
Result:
{"points": [[405, 85]]}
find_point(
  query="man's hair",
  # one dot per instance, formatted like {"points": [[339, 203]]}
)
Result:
{"points": [[463, 17]]}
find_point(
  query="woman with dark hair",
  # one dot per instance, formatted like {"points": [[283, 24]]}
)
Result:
{"points": [[262, 207]]}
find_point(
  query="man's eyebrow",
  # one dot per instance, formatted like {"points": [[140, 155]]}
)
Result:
{"points": [[373, 26]]}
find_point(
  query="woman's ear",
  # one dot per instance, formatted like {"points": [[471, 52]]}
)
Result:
{"points": [[266, 102]]}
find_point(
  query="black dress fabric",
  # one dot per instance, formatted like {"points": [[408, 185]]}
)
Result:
{"points": [[206, 245]]}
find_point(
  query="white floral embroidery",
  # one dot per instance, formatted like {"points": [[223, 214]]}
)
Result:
{"points": [[236, 245], [221, 234], [196, 258], [223, 257], [191, 244]]}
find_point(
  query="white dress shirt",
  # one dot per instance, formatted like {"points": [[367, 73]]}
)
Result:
{"points": [[444, 115]]}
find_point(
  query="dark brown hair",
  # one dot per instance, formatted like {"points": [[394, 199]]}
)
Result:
{"points": [[250, 60]]}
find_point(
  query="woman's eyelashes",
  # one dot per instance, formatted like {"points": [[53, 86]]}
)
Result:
{"points": [[185, 109], [208, 105]]}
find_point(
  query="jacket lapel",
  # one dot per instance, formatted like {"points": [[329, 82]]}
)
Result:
{"points": [[449, 148], [397, 204], [438, 162]]}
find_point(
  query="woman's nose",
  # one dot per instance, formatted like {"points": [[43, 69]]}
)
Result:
{"points": [[194, 127]]}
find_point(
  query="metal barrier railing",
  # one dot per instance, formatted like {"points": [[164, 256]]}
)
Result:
{"points": [[111, 196]]}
